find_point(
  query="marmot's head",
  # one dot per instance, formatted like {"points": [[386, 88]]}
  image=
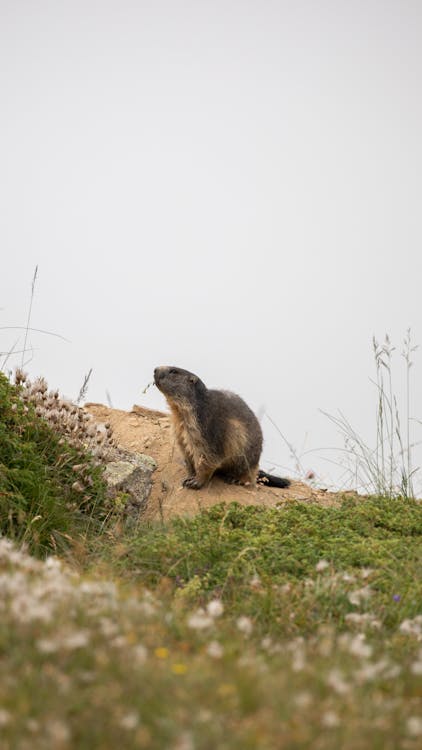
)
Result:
{"points": [[177, 384]]}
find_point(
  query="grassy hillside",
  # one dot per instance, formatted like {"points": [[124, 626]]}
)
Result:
{"points": [[41, 502], [295, 627]]}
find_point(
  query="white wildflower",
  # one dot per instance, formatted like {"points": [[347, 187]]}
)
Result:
{"points": [[354, 618], [330, 720], [416, 667], [215, 608], [303, 699], [33, 725], [336, 681], [58, 731], [107, 627], [267, 643], [204, 715], [358, 647], [412, 627], [322, 565], [244, 624], [26, 609], [140, 653], [359, 595], [53, 563], [78, 639], [47, 646], [215, 650], [199, 620], [414, 726], [298, 659], [119, 641], [5, 717], [129, 721], [147, 608], [370, 672]]}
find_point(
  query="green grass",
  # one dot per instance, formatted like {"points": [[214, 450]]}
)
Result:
{"points": [[221, 551], [298, 658], [38, 503]]}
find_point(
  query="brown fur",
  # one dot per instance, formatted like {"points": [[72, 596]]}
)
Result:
{"points": [[215, 430]]}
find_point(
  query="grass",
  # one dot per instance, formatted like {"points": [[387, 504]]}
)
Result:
{"points": [[385, 468], [40, 502], [251, 557], [240, 628]]}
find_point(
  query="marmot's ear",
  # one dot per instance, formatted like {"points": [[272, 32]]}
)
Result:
{"points": [[193, 379]]}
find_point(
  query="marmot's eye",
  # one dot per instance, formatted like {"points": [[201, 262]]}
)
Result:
{"points": [[172, 371]]}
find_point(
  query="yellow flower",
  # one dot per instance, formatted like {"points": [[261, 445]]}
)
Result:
{"points": [[161, 652], [179, 668]]}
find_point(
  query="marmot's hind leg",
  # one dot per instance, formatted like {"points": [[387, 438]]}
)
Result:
{"points": [[238, 473]]}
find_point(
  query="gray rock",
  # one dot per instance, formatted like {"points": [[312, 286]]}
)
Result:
{"points": [[131, 474]]}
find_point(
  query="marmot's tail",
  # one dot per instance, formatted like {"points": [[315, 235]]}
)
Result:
{"points": [[271, 481]]}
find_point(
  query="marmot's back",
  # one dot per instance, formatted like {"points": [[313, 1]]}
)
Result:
{"points": [[233, 420]]}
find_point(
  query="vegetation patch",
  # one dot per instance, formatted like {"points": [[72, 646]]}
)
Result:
{"points": [[248, 555], [89, 663], [42, 500]]}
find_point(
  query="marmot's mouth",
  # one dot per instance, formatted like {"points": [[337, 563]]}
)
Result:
{"points": [[158, 374]]}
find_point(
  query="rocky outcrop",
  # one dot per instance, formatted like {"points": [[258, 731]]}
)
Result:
{"points": [[131, 475]]}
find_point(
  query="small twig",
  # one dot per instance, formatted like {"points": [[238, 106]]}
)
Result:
{"points": [[9, 354], [34, 278], [84, 388], [37, 330], [27, 361], [291, 448]]}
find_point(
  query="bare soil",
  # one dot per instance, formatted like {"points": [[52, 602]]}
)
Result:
{"points": [[148, 431]]}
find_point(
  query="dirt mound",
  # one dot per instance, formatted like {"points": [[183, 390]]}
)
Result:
{"points": [[148, 431]]}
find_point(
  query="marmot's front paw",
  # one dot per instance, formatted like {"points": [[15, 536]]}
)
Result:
{"points": [[192, 483]]}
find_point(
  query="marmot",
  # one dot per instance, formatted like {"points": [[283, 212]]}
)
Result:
{"points": [[216, 431]]}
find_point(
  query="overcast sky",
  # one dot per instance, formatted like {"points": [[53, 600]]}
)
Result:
{"points": [[232, 187]]}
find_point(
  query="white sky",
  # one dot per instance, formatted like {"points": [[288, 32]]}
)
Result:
{"points": [[231, 187]]}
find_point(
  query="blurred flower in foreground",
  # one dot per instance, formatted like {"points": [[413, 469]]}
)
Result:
{"points": [[215, 608], [199, 620], [321, 565], [244, 624]]}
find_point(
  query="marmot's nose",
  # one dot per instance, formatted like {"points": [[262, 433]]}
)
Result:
{"points": [[158, 373]]}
